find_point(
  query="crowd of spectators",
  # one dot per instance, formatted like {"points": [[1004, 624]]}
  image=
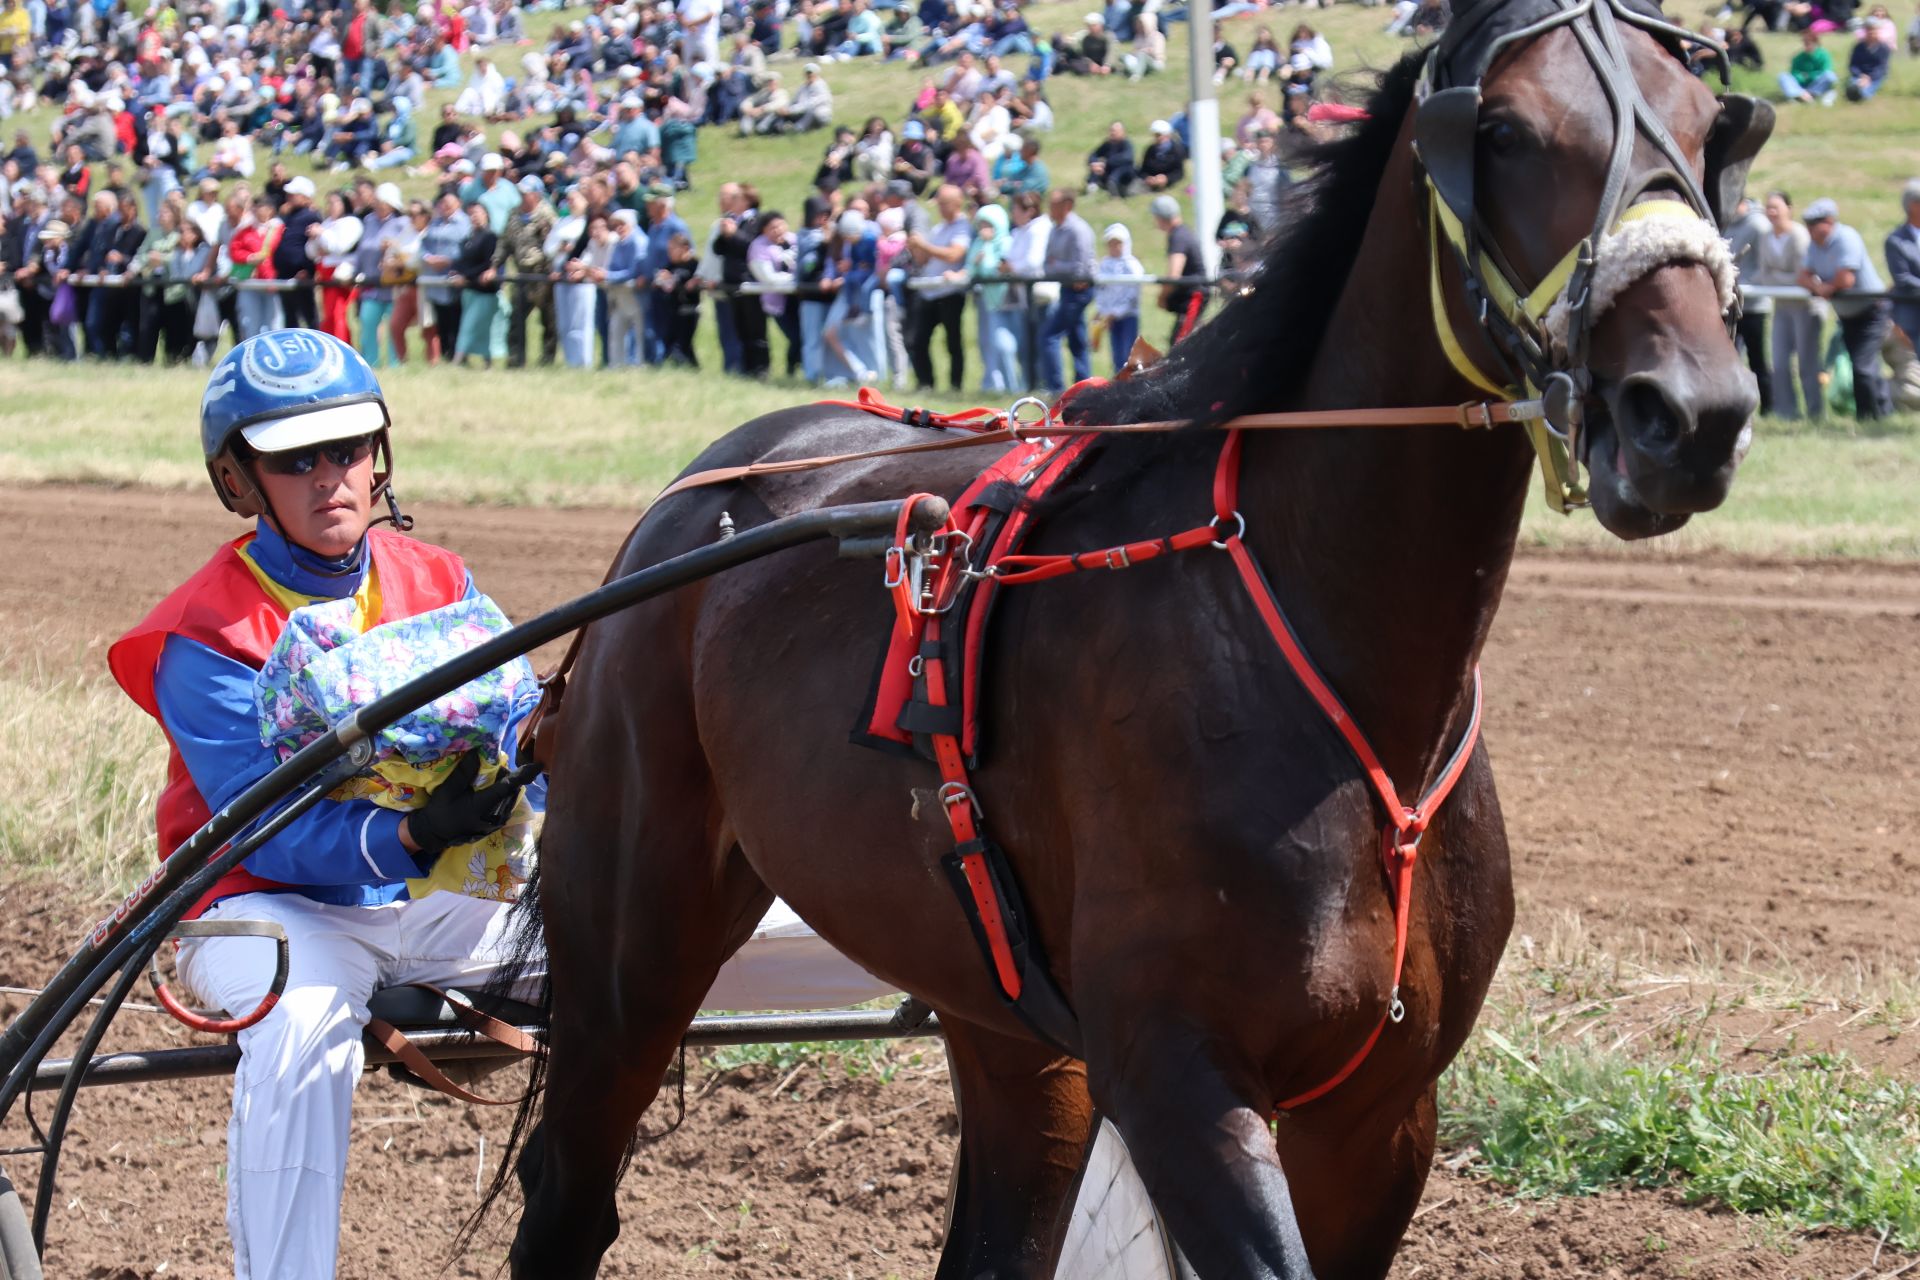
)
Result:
{"points": [[159, 216]]}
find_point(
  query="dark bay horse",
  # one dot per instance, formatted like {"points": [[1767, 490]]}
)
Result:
{"points": [[1199, 853]]}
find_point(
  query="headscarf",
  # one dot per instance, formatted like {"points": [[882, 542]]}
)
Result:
{"points": [[986, 252]]}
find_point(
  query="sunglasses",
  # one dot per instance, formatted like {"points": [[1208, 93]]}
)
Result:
{"points": [[301, 462]]}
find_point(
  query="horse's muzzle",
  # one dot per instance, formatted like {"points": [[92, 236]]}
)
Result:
{"points": [[1667, 446]]}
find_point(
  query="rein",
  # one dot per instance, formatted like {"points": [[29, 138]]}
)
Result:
{"points": [[977, 423]]}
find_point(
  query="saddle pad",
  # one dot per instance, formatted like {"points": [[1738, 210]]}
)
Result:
{"points": [[996, 512]]}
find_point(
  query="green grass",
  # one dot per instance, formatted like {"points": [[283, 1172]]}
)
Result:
{"points": [[559, 437], [1590, 1072]]}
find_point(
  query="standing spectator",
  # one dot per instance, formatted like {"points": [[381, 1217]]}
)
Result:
{"points": [[1267, 183], [1070, 254], [849, 332], [1744, 234], [663, 224], [120, 307], [153, 259], [586, 275], [48, 279], [1027, 256], [941, 305], [191, 259], [738, 228], [501, 198], [291, 261], [1810, 75], [816, 273], [1184, 258], [1116, 307], [331, 248], [572, 293], [1836, 263], [522, 252], [375, 296], [626, 324], [251, 255], [1110, 165], [770, 260], [1903, 262], [446, 231], [890, 271], [404, 256], [998, 307], [87, 256], [479, 288], [159, 153], [1259, 118], [209, 212], [676, 284], [1869, 62]]}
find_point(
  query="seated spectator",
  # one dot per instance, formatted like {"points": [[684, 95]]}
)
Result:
{"points": [[1163, 162], [486, 91], [1031, 111], [1868, 64], [873, 152], [763, 112], [836, 166], [1110, 165], [1007, 32], [1226, 58], [1259, 117], [351, 136], [1810, 75], [1263, 60], [1021, 170], [966, 168], [812, 105], [865, 35], [1091, 53], [991, 125], [916, 162]]}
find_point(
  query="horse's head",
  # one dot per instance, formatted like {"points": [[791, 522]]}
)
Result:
{"points": [[1578, 167]]}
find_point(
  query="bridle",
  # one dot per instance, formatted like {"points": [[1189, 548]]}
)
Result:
{"points": [[1540, 335]]}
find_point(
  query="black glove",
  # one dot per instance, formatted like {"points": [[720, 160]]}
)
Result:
{"points": [[457, 814]]}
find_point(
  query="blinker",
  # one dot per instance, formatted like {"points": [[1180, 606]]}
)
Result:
{"points": [[1445, 128]]}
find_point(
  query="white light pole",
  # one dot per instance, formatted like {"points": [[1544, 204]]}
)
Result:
{"points": [[1203, 127]]}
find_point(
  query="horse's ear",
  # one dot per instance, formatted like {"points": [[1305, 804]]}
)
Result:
{"points": [[1444, 129], [1743, 127]]}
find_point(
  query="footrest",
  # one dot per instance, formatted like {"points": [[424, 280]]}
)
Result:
{"points": [[412, 1007]]}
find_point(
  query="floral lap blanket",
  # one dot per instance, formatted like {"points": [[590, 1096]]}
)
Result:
{"points": [[323, 668]]}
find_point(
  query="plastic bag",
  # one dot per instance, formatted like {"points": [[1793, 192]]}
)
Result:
{"points": [[65, 309], [206, 316]]}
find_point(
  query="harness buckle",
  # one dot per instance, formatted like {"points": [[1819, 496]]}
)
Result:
{"points": [[1240, 531], [1117, 558], [895, 576], [952, 793], [1029, 430]]}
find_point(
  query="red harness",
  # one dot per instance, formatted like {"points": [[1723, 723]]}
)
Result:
{"points": [[924, 579]]}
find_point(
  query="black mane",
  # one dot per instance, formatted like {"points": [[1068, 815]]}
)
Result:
{"points": [[1259, 347]]}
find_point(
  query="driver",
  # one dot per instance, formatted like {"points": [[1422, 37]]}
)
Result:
{"points": [[294, 428]]}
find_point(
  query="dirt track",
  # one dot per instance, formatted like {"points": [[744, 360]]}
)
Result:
{"points": [[1699, 753]]}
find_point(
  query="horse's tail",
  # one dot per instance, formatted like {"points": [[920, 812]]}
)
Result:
{"points": [[528, 955]]}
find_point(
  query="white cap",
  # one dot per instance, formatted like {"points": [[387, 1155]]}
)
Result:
{"points": [[388, 194], [626, 217], [1118, 231], [462, 167], [301, 186], [492, 162], [1159, 126], [630, 101], [303, 430]]}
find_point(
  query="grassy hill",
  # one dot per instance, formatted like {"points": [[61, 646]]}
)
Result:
{"points": [[1858, 154]]}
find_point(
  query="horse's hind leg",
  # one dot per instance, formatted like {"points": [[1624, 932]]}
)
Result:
{"points": [[641, 926], [1024, 1121]]}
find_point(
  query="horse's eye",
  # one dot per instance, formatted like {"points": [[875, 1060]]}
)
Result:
{"points": [[1501, 136]]}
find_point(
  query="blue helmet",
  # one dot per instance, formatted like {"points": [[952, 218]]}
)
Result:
{"points": [[281, 390]]}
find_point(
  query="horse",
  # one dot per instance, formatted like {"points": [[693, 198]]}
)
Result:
{"points": [[1198, 854]]}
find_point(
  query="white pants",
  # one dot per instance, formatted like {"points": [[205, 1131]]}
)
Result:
{"points": [[293, 1094]]}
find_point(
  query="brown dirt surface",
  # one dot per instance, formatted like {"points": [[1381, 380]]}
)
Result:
{"points": [[1704, 759]]}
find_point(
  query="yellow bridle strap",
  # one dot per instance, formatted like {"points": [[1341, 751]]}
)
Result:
{"points": [[1442, 326]]}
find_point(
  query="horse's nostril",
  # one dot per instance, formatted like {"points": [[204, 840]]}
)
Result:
{"points": [[1649, 415]]}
